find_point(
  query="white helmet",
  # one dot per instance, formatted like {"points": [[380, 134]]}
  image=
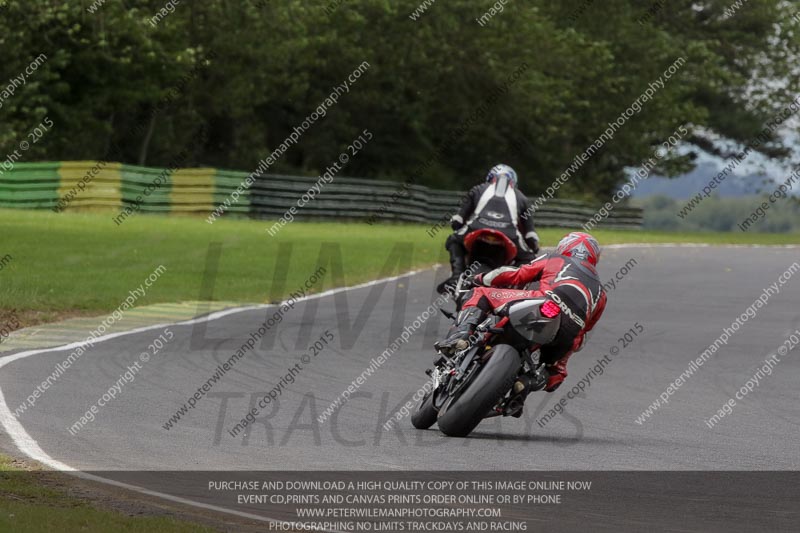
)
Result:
{"points": [[502, 170]]}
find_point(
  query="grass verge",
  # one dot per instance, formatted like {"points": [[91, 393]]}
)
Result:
{"points": [[79, 263], [28, 504]]}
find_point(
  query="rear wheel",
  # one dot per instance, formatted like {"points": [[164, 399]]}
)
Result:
{"points": [[464, 413]]}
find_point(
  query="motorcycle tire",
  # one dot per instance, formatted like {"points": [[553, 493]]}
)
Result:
{"points": [[493, 381], [425, 415]]}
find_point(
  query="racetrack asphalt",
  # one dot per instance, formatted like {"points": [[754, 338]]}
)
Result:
{"points": [[682, 297]]}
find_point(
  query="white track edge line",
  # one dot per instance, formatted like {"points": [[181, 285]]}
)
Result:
{"points": [[27, 445]]}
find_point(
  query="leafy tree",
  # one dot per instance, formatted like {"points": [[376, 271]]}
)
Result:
{"points": [[436, 95]]}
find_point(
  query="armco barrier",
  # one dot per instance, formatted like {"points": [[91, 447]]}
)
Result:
{"points": [[200, 190]]}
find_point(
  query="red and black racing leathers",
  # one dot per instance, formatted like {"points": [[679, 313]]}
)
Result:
{"points": [[574, 285]]}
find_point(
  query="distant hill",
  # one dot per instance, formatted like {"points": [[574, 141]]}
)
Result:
{"points": [[690, 184]]}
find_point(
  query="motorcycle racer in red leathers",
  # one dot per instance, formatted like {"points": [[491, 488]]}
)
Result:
{"points": [[567, 276]]}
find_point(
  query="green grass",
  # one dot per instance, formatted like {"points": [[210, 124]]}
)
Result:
{"points": [[28, 505], [83, 262]]}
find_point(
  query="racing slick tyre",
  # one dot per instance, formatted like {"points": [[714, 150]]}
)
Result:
{"points": [[493, 381], [425, 415]]}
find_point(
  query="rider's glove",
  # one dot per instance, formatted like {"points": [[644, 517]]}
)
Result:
{"points": [[477, 280], [533, 244]]}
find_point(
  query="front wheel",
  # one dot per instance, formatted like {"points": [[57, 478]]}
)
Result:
{"points": [[425, 415], [493, 381]]}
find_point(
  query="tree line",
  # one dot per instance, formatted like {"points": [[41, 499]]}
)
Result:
{"points": [[230, 81]]}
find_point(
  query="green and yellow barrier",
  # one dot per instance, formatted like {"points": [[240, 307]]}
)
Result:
{"points": [[214, 193]]}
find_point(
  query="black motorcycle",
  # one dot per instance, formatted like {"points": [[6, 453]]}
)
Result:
{"points": [[494, 374]]}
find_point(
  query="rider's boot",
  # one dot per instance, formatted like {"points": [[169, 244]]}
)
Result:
{"points": [[457, 337], [458, 263], [522, 387]]}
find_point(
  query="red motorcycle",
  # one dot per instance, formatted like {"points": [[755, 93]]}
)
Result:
{"points": [[487, 249]]}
